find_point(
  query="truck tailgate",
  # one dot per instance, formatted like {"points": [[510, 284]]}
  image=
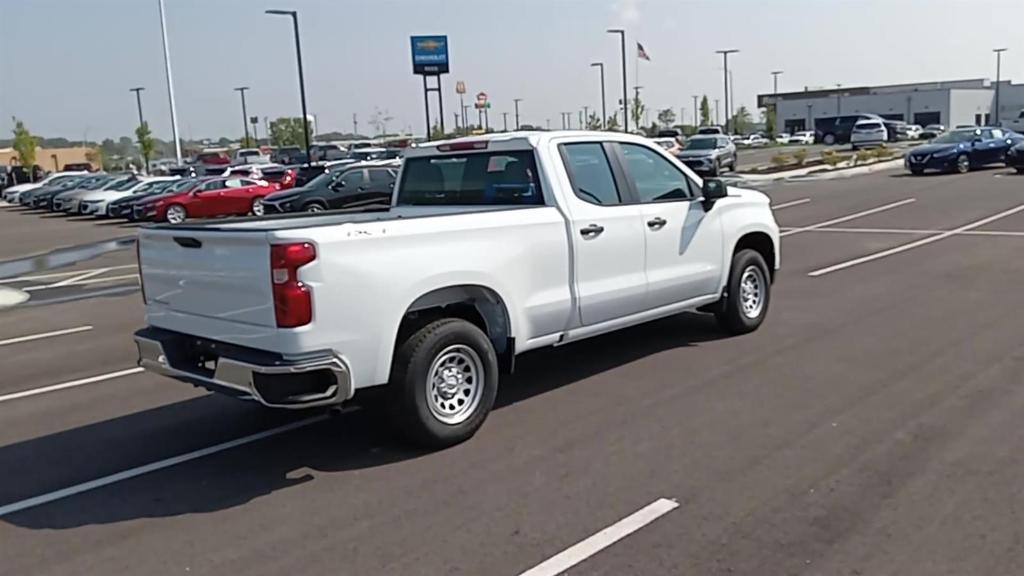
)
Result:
{"points": [[212, 273]]}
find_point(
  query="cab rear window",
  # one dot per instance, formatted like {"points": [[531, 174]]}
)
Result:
{"points": [[471, 179]]}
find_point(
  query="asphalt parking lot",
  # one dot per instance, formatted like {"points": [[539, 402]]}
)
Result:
{"points": [[870, 427]]}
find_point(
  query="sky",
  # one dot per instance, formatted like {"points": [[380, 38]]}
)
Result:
{"points": [[66, 66]]}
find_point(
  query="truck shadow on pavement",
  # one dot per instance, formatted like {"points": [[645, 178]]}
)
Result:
{"points": [[355, 441]]}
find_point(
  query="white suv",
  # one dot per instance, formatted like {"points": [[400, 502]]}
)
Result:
{"points": [[868, 133]]}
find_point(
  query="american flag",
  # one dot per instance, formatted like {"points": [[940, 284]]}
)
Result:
{"points": [[641, 53]]}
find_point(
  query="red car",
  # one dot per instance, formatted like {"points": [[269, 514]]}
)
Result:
{"points": [[215, 197]]}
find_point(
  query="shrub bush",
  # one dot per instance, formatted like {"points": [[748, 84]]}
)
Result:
{"points": [[800, 156]]}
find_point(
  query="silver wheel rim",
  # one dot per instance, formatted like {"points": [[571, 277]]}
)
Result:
{"points": [[455, 384], [963, 163], [314, 208], [175, 214], [257, 206], [752, 288]]}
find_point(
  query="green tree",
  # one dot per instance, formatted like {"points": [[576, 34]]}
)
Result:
{"points": [[593, 121], [25, 145], [613, 122], [247, 142], [741, 120], [287, 132], [145, 140], [636, 111], [705, 111], [667, 117], [769, 120], [436, 133]]}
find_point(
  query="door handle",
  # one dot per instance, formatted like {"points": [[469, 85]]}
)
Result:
{"points": [[656, 223], [591, 231]]}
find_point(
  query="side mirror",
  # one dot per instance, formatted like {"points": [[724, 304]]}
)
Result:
{"points": [[713, 190]]}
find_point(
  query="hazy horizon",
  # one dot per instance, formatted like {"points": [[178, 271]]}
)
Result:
{"points": [[84, 57]]}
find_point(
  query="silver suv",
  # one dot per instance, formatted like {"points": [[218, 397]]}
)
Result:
{"points": [[708, 154]]}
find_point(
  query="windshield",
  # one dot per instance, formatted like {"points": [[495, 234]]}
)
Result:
{"points": [[700, 144], [97, 184], [957, 136], [474, 179]]}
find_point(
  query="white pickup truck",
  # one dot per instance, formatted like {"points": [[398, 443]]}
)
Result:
{"points": [[493, 246]]}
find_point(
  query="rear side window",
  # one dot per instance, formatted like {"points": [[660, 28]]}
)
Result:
{"points": [[471, 179], [592, 178], [380, 175]]}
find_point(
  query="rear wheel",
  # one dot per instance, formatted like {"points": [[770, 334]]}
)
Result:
{"points": [[829, 139], [176, 214], [748, 293], [443, 383], [963, 164], [257, 207], [315, 207]]}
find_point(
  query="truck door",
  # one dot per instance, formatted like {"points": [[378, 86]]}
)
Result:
{"points": [[683, 243], [607, 235]]}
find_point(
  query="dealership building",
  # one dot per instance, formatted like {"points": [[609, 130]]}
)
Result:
{"points": [[950, 103]]}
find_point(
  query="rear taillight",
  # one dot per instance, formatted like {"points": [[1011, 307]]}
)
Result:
{"points": [[293, 302]]}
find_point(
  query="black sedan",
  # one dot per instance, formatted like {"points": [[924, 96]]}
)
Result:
{"points": [[352, 186], [961, 150]]}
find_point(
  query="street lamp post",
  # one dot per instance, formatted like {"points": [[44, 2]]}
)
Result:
{"points": [[839, 100], [625, 88], [696, 122], [302, 82], [775, 97], [604, 106], [999, 62], [504, 121], [245, 115], [516, 102], [725, 62]]}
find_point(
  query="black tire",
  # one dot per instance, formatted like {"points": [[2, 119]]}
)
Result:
{"points": [[410, 412], [731, 314], [828, 139], [963, 164], [314, 207]]}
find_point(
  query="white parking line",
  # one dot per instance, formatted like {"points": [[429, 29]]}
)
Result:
{"points": [[789, 204], [915, 244], [62, 274], [80, 277], [66, 385], [32, 337], [579, 552], [82, 282], [912, 231], [850, 217], [153, 466]]}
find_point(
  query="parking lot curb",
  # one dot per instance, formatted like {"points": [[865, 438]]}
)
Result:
{"points": [[817, 173]]}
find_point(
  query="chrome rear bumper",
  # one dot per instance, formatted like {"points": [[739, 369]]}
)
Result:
{"points": [[275, 381]]}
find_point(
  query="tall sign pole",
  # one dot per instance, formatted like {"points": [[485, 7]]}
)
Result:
{"points": [[430, 59]]}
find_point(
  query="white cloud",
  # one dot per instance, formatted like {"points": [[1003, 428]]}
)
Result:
{"points": [[628, 10]]}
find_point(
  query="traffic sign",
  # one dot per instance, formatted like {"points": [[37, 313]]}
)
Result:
{"points": [[460, 87]]}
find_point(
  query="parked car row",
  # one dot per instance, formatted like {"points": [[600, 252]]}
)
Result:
{"points": [[235, 192]]}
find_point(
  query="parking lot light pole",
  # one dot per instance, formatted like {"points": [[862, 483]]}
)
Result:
{"points": [[302, 82], [170, 85], [138, 101], [775, 95], [604, 105], [725, 62], [696, 121], [516, 102], [999, 62], [245, 116], [625, 88]]}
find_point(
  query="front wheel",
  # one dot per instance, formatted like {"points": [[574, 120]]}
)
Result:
{"points": [[829, 139], [963, 164], [257, 207], [443, 383], [747, 294]]}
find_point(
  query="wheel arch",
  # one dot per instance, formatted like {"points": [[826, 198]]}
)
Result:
{"points": [[477, 304], [760, 242]]}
